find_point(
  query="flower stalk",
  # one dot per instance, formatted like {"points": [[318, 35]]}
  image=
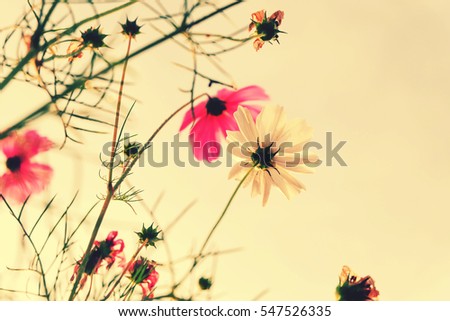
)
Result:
{"points": [[208, 238], [110, 192]]}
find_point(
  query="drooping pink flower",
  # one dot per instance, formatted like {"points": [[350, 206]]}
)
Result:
{"points": [[354, 288], [266, 28], [23, 177], [143, 272], [213, 117], [106, 251]]}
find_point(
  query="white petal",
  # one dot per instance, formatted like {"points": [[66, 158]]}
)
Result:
{"points": [[288, 131], [246, 124], [294, 163], [292, 181], [257, 183], [270, 121], [250, 178], [302, 134], [236, 171], [267, 185], [280, 183], [235, 137]]}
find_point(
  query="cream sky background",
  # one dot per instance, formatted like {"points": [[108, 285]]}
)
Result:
{"points": [[374, 73]]}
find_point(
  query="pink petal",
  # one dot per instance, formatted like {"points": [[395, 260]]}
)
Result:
{"points": [[35, 143], [199, 111], [249, 93], [27, 145], [277, 16], [10, 146], [121, 245], [226, 122], [153, 277], [224, 94], [144, 290], [122, 261], [111, 236], [205, 132], [32, 178]]}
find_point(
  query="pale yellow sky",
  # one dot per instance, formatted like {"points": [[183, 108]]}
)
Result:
{"points": [[374, 73]]}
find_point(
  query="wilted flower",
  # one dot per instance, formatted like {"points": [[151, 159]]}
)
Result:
{"points": [[143, 272], [149, 236], [106, 251], [354, 288], [214, 117], [266, 28], [22, 176], [91, 38], [272, 146], [131, 28]]}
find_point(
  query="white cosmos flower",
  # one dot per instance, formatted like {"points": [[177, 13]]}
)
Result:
{"points": [[273, 146]]}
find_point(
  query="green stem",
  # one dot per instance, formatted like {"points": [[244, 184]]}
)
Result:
{"points": [[224, 211], [110, 189], [116, 122], [205, 243]]}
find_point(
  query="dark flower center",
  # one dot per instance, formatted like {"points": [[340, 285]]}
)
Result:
{"points": [[215, 106], [205, 283], [132, 149], [98, 254], [131, 28], [268, 30], [93, 37], [105, 248], [13, 163], [262, 157]]}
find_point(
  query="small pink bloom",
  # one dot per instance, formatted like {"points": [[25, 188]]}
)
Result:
{"points": [[143, 272], [106, 251], [214, 117], [266, 28], [24, 177]]}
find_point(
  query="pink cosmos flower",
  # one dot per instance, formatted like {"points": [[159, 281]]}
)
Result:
{"points": [[266, 28], [214, 117], [24, 177], [143, 272], [106, 251]]}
